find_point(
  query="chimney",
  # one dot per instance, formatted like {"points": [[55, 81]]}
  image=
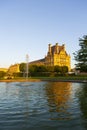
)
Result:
{"points": [[63, 46], [57, 50], [49, 48]]}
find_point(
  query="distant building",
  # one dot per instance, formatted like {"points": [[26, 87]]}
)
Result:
{"points": [[4, 69], [13, 69], [56, 55]]}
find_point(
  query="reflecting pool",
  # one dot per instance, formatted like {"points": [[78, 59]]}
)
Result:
{"points": [[43, 106]]}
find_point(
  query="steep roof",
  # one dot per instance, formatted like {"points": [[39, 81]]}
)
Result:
{"points": [[37, 62]]}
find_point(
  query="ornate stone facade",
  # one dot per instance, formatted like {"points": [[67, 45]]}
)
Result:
{"points": [[57, 55]]}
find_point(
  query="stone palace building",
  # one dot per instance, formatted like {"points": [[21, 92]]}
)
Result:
{"points": [[56, 55]]}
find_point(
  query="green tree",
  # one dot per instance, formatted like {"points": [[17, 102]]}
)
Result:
{"points": [[41, 68], [64, 69], [22, 67], [57, 69], [33, 70], [81, 55], [2, 74], [50, 68]]}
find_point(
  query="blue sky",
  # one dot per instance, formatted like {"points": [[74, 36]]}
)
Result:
{"points": [[28, 26]]}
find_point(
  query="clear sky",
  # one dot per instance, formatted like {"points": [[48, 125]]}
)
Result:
{"points": [[28, 26]]}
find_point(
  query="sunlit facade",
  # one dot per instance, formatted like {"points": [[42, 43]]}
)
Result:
{"points": [[13, 69], [57, 55], [4, 69]]}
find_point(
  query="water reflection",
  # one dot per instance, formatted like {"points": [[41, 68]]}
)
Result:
{"points": [[82, 96], [58, 97], [43, 106]]}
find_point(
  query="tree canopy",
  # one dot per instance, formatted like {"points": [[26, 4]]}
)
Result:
{"points": [[22, 67], [81, 55]]}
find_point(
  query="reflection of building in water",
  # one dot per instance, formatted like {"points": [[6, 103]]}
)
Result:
{"points": [[58, 96]]}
